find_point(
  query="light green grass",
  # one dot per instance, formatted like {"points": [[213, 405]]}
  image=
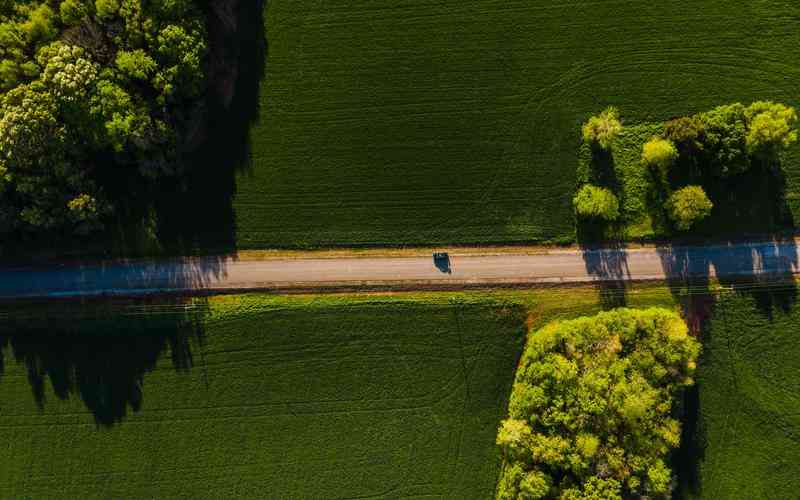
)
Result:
{"points": [[749, 403], [409, 122]]}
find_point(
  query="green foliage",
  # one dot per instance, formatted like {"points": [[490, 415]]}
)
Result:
{"points": [[724, 139], [771, 126], [659, 154], [136, 64], [687, 206], [602, 129], [76, 101], [107, 9], [74, 11], [593, 202], [590, 411], [686, 133]]}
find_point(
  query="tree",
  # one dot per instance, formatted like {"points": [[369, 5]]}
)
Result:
{"points": [[590, 414], [602, 129], [687, 206], [686, 133], [659, 155], [593, 202], [725, 139], [771, 126]]}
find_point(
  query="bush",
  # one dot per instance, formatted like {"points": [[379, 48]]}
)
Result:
{"points": [[771, 126], [659, 155], [602, 129], [686, 133], [601, 423], [687, 206], [593, 202]]}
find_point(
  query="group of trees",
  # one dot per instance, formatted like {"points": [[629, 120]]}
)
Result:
{"points": [[595, 202], [590, 414], [90, 90], [718, 144]]}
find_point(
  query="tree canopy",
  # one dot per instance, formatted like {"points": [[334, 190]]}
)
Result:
{"points": [[594, 202], [602, 129], [590, 414], [687, 206], [659, 154], [86, 88]]}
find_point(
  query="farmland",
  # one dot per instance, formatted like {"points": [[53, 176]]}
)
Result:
{"points": [[746, 438], [351, 395], [385, 122], [275, 398]]}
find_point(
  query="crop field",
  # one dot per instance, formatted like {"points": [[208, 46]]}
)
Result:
{"points": [[747, 439], [418, 121], [268, 398]]}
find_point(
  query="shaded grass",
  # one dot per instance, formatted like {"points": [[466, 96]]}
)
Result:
{"points": [[746, 441], [417, 122]]}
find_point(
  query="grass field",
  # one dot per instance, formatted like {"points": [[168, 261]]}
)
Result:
{"points": [[414, 121], [276, 398], [748, 434], [253, 396]]}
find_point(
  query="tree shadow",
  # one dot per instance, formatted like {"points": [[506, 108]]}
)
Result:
{"points": [[604, 170], [100, 354], [764, 270], [687, 458], [188, 274], [195, 214], [609, 268]]}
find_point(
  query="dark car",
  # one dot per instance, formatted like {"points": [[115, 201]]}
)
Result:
{"points": [[442, 262]]}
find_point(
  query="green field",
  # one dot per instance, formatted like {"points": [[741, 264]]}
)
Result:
{"points": [[747, 439], [272, 398], [414, 121]]}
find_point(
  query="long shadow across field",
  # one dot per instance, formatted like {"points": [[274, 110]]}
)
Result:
{"points": [[99, 353], [196, 215], [764, 271]]}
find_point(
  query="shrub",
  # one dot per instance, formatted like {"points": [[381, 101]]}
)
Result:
{"points": [[604, 425], [770, 126], [602, 129], [593, 202], [687, 206], [659, 155], [686, 133]]}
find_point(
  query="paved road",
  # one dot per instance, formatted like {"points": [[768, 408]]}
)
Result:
{"points": [[766, 259]]}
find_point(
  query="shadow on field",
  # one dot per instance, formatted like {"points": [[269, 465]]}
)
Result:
{"points": [[691, 453], [99, 353], [196, 215]]}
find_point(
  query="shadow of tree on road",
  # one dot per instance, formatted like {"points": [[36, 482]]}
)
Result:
{"points": [[609, 267]]}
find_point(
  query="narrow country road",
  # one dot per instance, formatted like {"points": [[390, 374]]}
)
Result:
{"points": [[191, 275]]}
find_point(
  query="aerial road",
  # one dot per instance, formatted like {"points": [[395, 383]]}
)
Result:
{"points": [[454, 270]]}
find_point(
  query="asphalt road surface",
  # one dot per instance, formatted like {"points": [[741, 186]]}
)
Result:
{"points": [[765, 260]]}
